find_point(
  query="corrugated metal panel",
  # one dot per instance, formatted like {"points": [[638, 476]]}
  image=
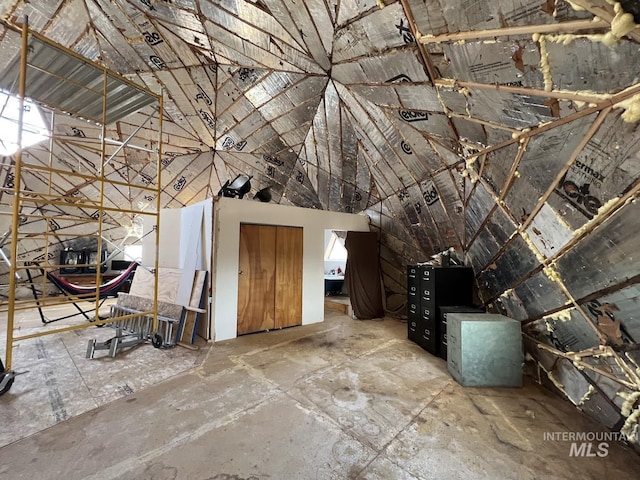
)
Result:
{"points": [[54, 77]]}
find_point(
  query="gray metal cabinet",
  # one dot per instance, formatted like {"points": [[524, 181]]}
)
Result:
{"points": [[484, 350]]}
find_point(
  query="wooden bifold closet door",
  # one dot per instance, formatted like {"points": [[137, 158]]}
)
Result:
{"points": [[269, 278]]}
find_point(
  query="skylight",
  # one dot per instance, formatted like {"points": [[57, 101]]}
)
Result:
{"points": [[335, 249], [34, 129]]}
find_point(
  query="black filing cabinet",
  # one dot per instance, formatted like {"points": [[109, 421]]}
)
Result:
{"points": [[413, 301], [436, 286], [443, 312]]}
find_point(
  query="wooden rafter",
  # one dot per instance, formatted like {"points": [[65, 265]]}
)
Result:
{"points": [[573, 26], [604, 10], [534, 92]]}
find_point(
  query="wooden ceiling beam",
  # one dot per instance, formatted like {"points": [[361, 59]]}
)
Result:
{"points": [[563, 27], [604, 10]]}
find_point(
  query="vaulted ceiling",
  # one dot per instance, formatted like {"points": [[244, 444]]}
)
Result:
{"points": [[506, 130]]}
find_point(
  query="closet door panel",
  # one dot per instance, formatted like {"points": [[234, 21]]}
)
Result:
{"points": [[288, 291], [256, 278]]}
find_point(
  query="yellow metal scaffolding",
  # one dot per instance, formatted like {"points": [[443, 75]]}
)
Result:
{"points": [[66, 84]]}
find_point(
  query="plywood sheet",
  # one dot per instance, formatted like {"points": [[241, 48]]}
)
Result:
{"points": [[256, 278], [199, 283], [169, 280], [195, 319], [288, 291], [187, 334]]}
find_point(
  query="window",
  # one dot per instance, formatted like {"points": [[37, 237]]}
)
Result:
{"points": [[133, 253], [34, 129], [335, 249]]}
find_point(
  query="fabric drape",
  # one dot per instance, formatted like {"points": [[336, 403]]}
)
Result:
{"points": [[362, 274]]}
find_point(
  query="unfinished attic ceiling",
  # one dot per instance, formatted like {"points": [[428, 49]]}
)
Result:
{"points": [[507, 130]]}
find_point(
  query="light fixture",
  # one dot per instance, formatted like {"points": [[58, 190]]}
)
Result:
{"points": [[239, 187], [263, 195]]}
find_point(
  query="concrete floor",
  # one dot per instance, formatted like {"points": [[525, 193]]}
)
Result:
{"points": [[60, 382], [344, 399]]}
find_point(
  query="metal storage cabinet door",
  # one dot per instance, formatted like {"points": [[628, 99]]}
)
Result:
{"points": [[443, 312], [454, 349], [429, 329], [484, 350], [413, 303], [429, 336]]}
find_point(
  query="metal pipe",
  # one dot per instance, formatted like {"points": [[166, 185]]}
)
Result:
{"points": [[157, 226], [16, 196], [126, 254], [124, 144], [135, 147]]}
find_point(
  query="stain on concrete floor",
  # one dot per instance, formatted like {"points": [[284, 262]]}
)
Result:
{"points": [[343, 399]]}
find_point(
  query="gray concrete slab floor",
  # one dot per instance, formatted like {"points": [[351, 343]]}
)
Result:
{"points": [[343, 399]]}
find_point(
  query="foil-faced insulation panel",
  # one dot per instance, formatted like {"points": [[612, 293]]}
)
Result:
{"points": [[605, 258], [332, 105]]}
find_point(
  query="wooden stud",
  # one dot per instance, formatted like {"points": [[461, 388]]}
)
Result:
{"points": [[433, 73], [572, 26], [431, 69], [592, 130], [516, 163], [482, 122], [587, 137], [534, 92], [558, 353], [605, 12], [609, 102]]}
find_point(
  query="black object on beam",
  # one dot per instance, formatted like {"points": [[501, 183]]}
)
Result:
{"points": [[238, 187]]}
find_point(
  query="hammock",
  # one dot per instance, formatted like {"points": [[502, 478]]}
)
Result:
{"points": [[72, 290], [106, 289]]}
